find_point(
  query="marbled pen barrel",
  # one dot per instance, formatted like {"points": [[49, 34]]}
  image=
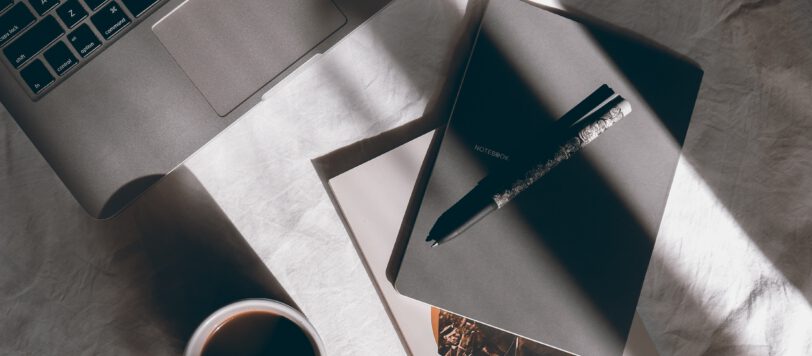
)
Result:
{"points": [[478, 203], [585, 135]]}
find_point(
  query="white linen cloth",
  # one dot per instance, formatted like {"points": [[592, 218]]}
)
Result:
{"points": [[731, 272], [63, 288], [730, 275]]}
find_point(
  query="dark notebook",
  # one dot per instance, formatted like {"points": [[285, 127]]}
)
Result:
{"points": [[564, 262]]}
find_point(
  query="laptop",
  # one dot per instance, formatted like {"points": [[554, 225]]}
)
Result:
{"points": [[116, 93]]}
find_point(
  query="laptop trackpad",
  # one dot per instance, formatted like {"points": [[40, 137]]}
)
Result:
{"points": [[230, 49]]}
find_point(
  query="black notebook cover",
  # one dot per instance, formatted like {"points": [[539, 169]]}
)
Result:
{"points": [[562, 264]]}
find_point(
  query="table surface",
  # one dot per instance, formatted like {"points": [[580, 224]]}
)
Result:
{"points": [[730, 272]]}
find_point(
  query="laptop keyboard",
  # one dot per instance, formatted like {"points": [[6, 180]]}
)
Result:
{"points": [[46, 40]]}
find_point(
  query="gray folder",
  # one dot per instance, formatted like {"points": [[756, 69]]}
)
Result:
{"points": [[562, 264]]}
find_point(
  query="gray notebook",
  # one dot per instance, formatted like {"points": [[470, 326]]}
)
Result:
{"points": [[562, 264]]}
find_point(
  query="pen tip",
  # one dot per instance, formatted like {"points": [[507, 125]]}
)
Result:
{"points": [[435, 244]]}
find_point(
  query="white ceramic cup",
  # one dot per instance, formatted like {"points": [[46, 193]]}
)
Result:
{"points": [[226, 313]]}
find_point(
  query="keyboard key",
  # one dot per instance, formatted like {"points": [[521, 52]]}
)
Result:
{"points": [[137, 7], [60, 58], [4, 4], [37, 76], [14, 21], [32, 42], [43, 6], [71, 13], [109, 20], [94, 4], [83, 40]]}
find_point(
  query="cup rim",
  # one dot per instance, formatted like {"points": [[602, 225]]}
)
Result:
{"points": [[198, 340]]}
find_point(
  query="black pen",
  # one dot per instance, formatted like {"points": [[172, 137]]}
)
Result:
{"points": [[487, 197]]}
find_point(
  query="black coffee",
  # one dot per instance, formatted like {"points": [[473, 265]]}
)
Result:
{"points": [[258, 333]]}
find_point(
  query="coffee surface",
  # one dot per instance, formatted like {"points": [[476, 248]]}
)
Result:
{"points": [[258, 333]]}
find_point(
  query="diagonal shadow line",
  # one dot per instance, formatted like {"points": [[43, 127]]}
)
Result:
{"points": [[610, 39], [606, 214], [795, 273], [189, 261], [437, 110], [673, 127], [402, 57], [555, 234], [140, 282]]}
